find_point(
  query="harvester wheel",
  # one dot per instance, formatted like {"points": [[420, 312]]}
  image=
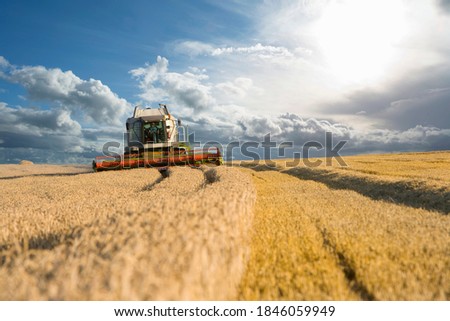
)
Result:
{"points": [[164, 172]]}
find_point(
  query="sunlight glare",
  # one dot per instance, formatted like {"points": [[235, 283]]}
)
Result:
{"points": [[358, 38]]}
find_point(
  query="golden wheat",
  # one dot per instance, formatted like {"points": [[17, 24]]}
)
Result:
{"points": [[377, 229], [388, 249], [289, 260], [431, 169], [128, 235], [394, 252]]}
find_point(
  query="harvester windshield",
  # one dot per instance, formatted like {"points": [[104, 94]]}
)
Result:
{"points": [[135, 132], [154, 132]]}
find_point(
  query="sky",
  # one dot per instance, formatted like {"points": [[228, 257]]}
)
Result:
{"points": [[374, 73]]}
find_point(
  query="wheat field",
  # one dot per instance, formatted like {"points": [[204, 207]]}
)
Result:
{"points": [[377, 229], [126, 235]]}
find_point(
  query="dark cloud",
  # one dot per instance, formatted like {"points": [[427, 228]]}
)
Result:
{"points": [[45, 142], [412, 114], [299, 131], [418, 98], [41, 129], [444, 5], [101, 135], [52, 136], [49, 136], [418, 138], [39, 119], [428, 109]]}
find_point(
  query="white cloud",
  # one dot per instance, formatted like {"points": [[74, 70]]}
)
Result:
{"points": [[229, 117], [237, 89], [150, 73], [93, 99], [194, 48], [38, 121], [186, 89], [285, 76], [55, 133], [305, 82], [306, 52], [267, 53], [4, 65], [3, 62], [258, 50]]}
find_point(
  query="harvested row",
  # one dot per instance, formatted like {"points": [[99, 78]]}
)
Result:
{"points": [[288, 258], [431, 168], [413, 193], [183, 237], [40, 210], [424, 170], [385, 251]]}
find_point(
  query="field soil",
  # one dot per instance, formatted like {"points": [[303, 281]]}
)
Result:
{"points": [[376, 229]]}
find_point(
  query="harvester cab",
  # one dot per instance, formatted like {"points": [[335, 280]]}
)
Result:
{"points": [[156, 139], [153, 129]]}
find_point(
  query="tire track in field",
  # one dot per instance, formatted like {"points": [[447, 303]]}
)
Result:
{"points": [[384, 251], [181, 237], [29, 205], [354, 283], [289, 259], [407, 192]]}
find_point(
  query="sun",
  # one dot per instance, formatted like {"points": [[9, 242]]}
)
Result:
{"points": [[359, 39]]}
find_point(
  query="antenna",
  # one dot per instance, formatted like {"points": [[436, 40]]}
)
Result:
{"points": [[165, 108], [135, 109]]}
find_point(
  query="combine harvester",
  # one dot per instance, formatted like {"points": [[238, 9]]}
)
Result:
{"points": [[153, 140]]}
